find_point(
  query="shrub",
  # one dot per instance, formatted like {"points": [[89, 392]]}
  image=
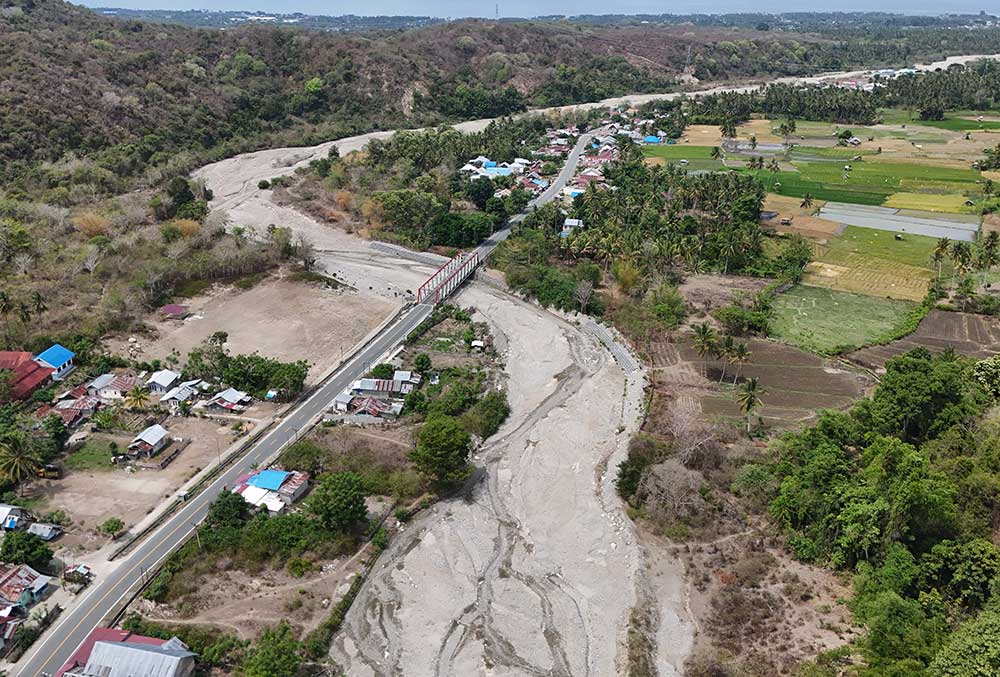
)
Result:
{"points": [[91, 224], [263, 184]]}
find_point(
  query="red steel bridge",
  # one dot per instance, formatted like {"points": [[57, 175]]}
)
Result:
{"points": [[448, 278]]}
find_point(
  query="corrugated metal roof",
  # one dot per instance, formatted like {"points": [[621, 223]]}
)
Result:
{"points": [[125, 659], [269, 479], [56, 356]]}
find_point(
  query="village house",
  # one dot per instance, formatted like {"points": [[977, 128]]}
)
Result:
{"points": [[569, 225], [174, 311], [162, 381], [46, 532], [150, 441], [27, 374], [272, 489], [229, 400], [109, 652], [12, 517], [9, 623], [180, 394], [112, 387], [59, 359], [22, 586]]}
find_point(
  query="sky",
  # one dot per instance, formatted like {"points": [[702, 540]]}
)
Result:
{"points": [[527, 8]]}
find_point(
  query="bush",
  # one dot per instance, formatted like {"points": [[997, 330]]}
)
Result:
{"points": [[263, 184], [486, 416], [442, 450], [20, 547]]}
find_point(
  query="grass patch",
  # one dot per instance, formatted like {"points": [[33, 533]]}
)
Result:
{"points": [[95, 454], [249, 281], [315, 278], [913, 250], [958, 124], [930, 202], [828, 322], [868, 183], [804, 153], [680, 151], [191, 288]]}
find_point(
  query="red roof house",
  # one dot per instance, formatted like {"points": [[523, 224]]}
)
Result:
{"points": [[28, 374]]}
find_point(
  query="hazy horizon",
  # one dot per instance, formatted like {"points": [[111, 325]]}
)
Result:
{"points": [[527, 8]]}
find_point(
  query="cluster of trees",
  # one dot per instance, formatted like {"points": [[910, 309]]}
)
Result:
{"points": [[460, 100], [975, 86], [971, 263], [254, 373], [902, 491]]}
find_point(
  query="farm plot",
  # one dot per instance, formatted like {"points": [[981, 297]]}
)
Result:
{"points": [[867, 183], [826, 321], [968, 334], [797, 384], [873, 263], [691, 157], [885, 218]]}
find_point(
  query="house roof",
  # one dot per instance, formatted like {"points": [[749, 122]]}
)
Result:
{"points": [[151, 435], [28, 374], [139, 658], [82, 653], [45, 531], [268, 479], [232, 396], [101, 381], [181, 392], [56, 356], [15, 579], [174, 309], [163, 378]]}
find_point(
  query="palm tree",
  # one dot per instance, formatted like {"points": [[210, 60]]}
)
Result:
{"points": [[23, 312], [137, 398], [38, 304], [749, 398], [724, 351], [18, 460], [941, 250], [807, 201], [716, 153], [7, 307], [740, 356], [961, 252], [705, 340]]}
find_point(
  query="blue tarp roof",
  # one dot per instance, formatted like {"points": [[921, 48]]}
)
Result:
{"points": [[498, 171], [56, 356], [268, 479], [652, 139], [489, 163]]}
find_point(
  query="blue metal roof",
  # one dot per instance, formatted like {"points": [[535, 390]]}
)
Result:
{"points": [[268, 479], [56, 356], [652, 139]]}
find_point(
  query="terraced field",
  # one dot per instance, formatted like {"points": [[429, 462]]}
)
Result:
{"points": [[797, 384], [968, 334]]}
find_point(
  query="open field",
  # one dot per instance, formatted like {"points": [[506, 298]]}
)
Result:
{"points": [[698, 157], [968, 334], [893, 221], [869, 183], [822, 320], [278, 318]]}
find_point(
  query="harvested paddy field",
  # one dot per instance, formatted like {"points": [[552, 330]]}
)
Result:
{"points": [[968, 334], [796, 384], [827, 322], [872, 262]]}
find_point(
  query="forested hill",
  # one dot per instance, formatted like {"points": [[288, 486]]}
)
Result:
{"points": [[90, 103]]}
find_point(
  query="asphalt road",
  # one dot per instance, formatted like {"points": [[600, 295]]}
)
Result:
{"points": [[106, 593]]}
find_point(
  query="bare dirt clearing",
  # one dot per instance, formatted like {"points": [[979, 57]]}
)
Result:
{"points": [[968, 334], [280, 318], [90, 497], [707, 292]]}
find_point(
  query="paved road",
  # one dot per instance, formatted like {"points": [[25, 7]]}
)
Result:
{"points": [[59, 643]]}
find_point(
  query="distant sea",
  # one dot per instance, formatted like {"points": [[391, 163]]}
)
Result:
{"points": [[527, 8]]}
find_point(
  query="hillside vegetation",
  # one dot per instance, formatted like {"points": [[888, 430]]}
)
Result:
{"points": [[143, 101]]}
